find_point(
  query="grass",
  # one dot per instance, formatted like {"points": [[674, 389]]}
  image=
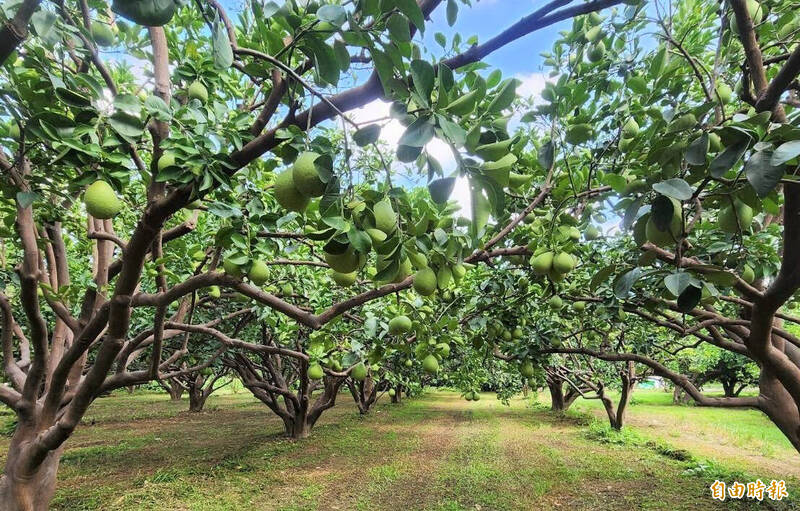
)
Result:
{"points": [[434, 453]]}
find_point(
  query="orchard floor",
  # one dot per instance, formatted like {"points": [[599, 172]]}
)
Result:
{"points": [[436, 452]]}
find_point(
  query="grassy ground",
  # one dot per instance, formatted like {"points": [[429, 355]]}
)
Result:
{"points": [[437, 453]]}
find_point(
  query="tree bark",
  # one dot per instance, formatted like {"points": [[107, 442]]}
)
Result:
{"points": [[28, 490], [197, 399], [174, 389]]}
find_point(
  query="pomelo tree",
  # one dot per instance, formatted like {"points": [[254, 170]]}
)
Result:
{"points": [[695, 137], [199, 126]]}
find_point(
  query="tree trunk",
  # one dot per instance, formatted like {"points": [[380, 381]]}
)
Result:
{"points": [[397, 394], [779, 406], [197, 399], [21, 491], [729, 387], [556, 388], [174, 389], [296, 427]]}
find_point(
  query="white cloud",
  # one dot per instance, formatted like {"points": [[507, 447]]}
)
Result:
{"points": [[532, 84]]}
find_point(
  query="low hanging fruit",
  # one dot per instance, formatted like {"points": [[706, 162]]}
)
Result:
{"points": [[346, 262], [526, 369], [425, 282], [359, 372], [287, 194], [430, 365], [385, 217], [198, 91], [231, 268], [146, 13], [563, 263], [542, 263], [555, 302], [101, 201], [343, 279], [669, 236], [399, 325], [631, 128], [315, 372], [736, 218], [306, 177], [259, 273]]}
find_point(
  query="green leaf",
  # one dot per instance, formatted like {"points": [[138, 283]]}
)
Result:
{"points": [[762, 174], [452, 12], [676, 188], [411, 9], [334, 14], [367, 135], [129, 126], [727, 159], [546, 155], [385, 70], [223, 54], [506, 96], [25, 199], [786, 152], [696, 154], [360, 240], [325, 62], [452, 131], [418, 133], [689, 299], [342, 55], [156, 107], [601, 276], [677, 282], [624, 284], [399, 29], [662, 211], [441, 189], [424, 76], [407, 154]]}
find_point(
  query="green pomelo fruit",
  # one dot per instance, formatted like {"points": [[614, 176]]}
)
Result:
{"points": [[359, 372], [198, 91], [385, 217], [399, 325], [630, 129], [315, 372], [736, 218], [306, 177], [430, 365], [563, 262], [542, 263], [443, 277], [101, 201], [526, 369], [231, 269], [343, 279], [425, 282], [259, 273], [287, 194]]}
